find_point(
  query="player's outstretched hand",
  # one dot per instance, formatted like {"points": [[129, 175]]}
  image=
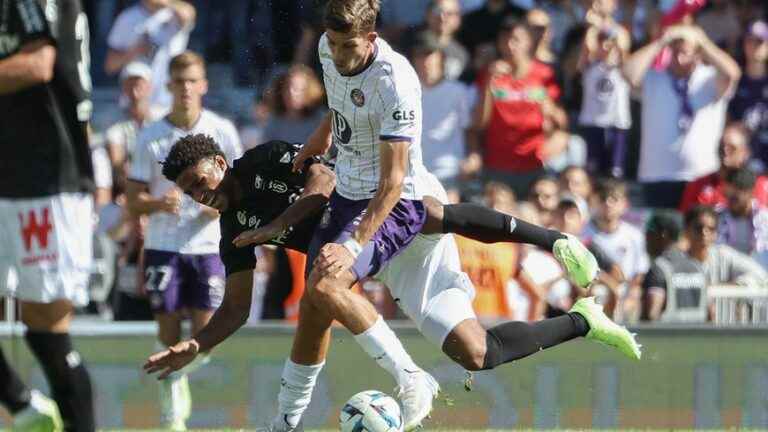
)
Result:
{"points": [[172, 359], [258, 235], [333, 260]]}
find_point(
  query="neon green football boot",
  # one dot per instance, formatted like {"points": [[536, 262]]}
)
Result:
{"points": [[579, 262], [605, 331]]}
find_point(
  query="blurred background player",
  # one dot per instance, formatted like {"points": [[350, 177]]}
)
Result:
{"points": [[46, 181], [183, 271]]}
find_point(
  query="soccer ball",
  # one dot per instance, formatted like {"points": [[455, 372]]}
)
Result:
{"points": [[371, 411]]}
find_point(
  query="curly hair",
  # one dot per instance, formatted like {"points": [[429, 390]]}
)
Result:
{"points": [[351, 16], [187, 152]]}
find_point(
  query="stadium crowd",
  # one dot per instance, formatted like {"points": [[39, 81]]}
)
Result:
{"points": [[640, 126]]}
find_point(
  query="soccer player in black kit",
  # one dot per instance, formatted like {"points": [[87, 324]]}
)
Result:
{"points": [[46, 207]]}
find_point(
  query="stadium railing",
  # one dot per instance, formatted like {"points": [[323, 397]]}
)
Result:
{"points": [[736, 305]]}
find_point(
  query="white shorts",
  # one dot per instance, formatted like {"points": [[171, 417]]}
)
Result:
{"points": [[427, 283], [47, 249]]}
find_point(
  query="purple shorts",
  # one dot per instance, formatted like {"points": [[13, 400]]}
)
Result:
{"points": [[176, 281], [341, 219]]}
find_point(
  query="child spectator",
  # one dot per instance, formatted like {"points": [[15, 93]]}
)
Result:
{"points": [[623, 243], [605, 117]]}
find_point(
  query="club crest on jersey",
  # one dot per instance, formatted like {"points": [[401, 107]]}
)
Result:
{"points": [[342, 132], [286, 158], [242, 217], [357, 96], [258, 182]]}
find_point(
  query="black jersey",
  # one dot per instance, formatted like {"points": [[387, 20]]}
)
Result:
{"points": [[43, 133], [269, 186]]}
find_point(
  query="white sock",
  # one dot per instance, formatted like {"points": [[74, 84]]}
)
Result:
{"points": [[171, 403], [296, 387], [382, 344]]}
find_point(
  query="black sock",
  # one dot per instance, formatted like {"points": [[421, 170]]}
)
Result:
{"points": [[516, 339], [489, 226], [13, 393], [67, 377]]}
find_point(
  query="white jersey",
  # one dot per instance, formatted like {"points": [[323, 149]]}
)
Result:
{"points": [[189, 232], [381, 103], [668, 153], [626, 246], [606, 97]]}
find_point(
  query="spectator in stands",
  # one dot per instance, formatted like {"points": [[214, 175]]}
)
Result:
{"points": [[674, 290], [721, 263], [622, 242], [544, 195], [605, 117], [743, 222], [576, 181], [480, 30], [750, 102], [517, 122], [446, 111], [295, 100], [442, 21], [135, 83], [734, 154], [539, 23], [152, 32], [184, 273], [499, 196], [683, 110], [571, 217]]}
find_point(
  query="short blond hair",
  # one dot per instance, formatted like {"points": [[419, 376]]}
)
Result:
{"points": [[351, 16], [185, 60]]}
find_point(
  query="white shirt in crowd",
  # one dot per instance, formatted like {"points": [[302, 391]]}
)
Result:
{"points": [[164, 32], [625, 246], [605, 102], [383, 102], [446, 117], [191, 231], [667, 152]]}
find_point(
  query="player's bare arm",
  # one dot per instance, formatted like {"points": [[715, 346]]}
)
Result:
{"points": [[317, 144], [32, 65], [141, 202], [317, 191], [336, 258], [228, 318]]}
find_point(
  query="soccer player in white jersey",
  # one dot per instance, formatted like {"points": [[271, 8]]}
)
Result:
{"points": [[183, 271], [375, 212]]}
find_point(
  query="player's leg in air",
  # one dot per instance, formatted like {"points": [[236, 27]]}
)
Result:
{"points": [[178, 283], [486, 225], [38, 237], [445, 316]]}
